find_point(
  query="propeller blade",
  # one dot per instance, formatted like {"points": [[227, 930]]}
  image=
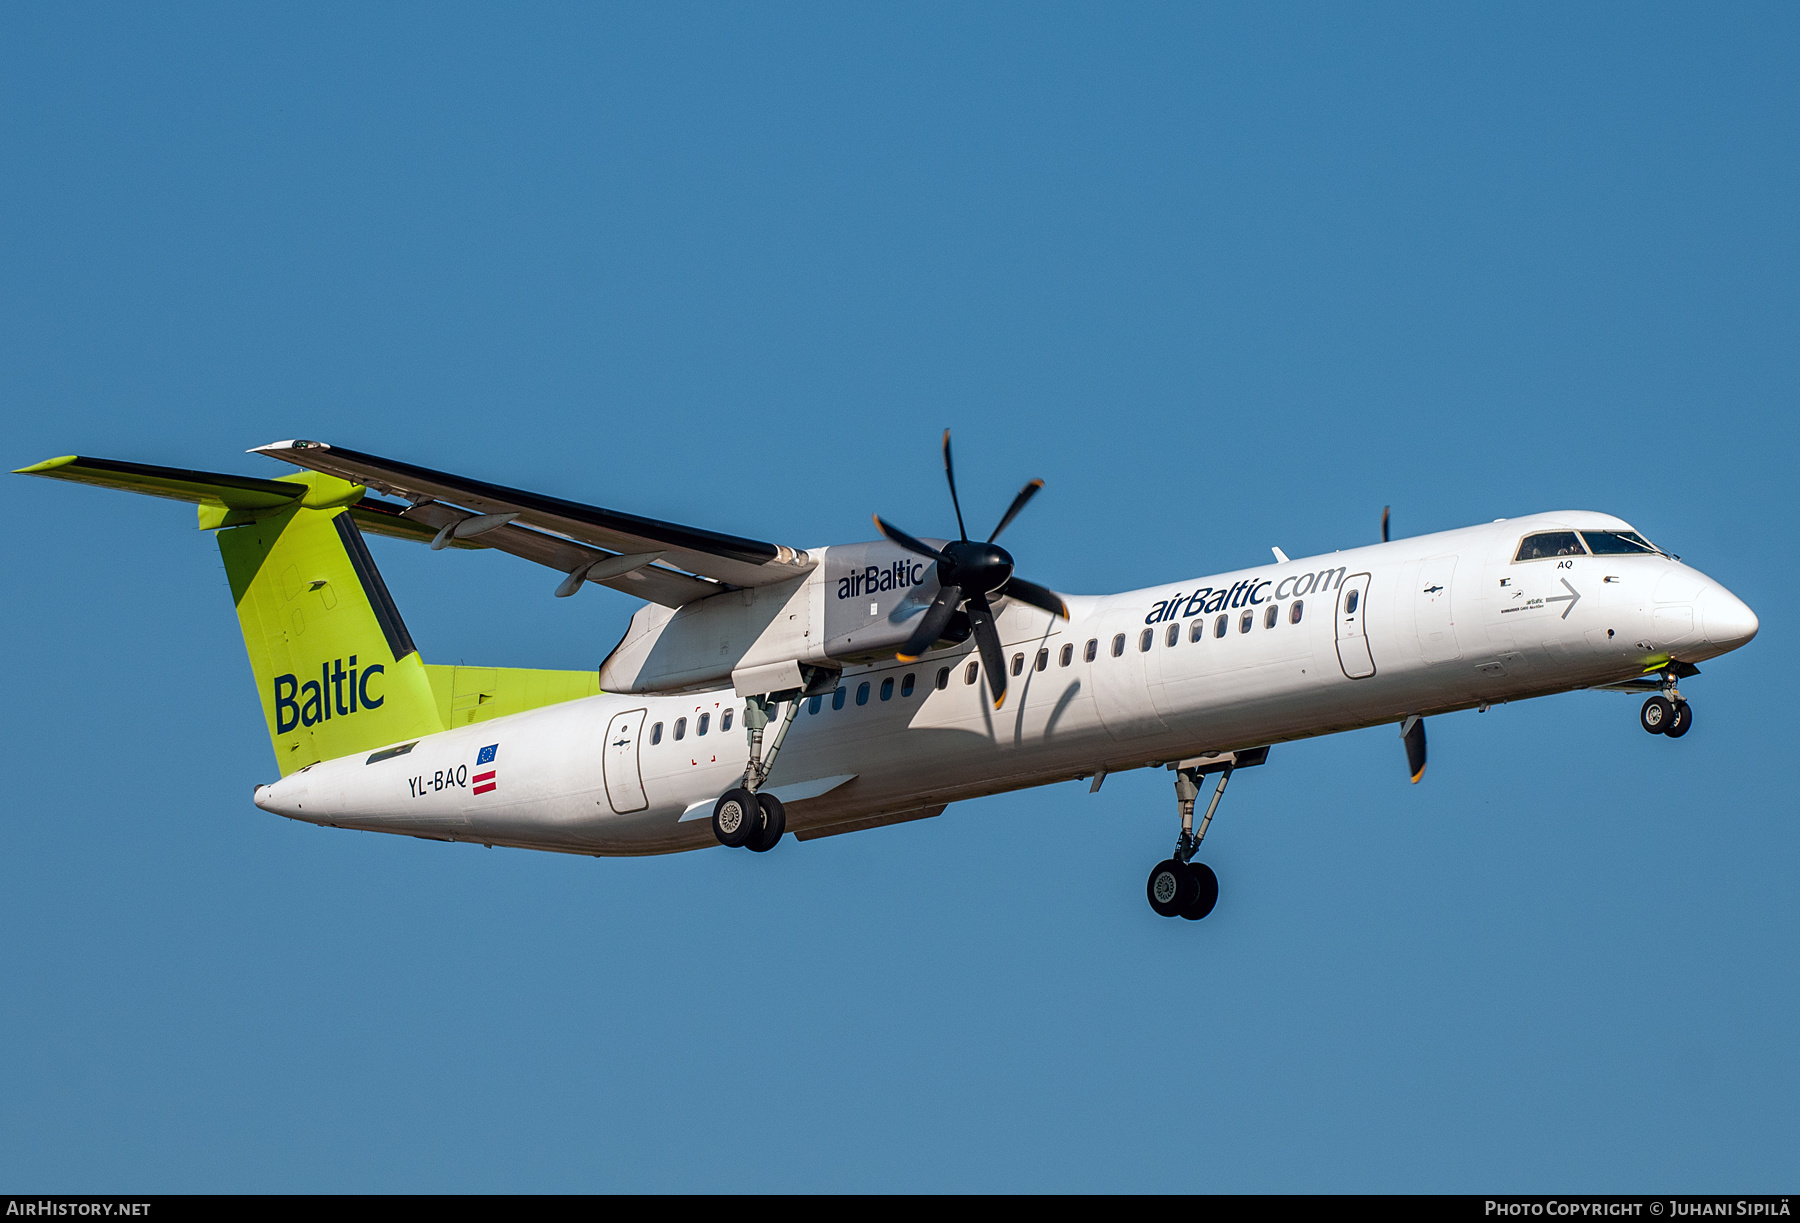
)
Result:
{"points": [[1384, 523], [1037, 596], [931, 624], [1412, 731], [950, 475], [993, 658], [908, 542], [1012, 511]]}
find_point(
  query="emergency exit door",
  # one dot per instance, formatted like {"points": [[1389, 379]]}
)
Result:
{"points": [[1352, 639], [624, 782]]}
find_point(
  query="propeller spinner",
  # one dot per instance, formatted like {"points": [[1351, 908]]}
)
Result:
{"points": [[968, 572]]}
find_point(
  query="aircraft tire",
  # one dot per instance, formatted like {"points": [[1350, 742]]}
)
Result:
{"points": [[735, 817], [1170, 888], [770, 827], [1206, 891], [1681, 722], [1656, 715]]}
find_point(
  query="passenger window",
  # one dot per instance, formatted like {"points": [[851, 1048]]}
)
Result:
{"points": [[1068, 655], [1018, 666], [725, 721], [887, 688], [1043, 660], [1246, 620], [1093, 648], [862, 693], [1350, 602], [1119, 645], [1295, 611], [705, 721], [1551, 543], [1221, 626], [812, 706], [1271, 616], [906, 685], [943, 679], [837, 698], [1145, 639], [656, 734], [680, 729], [1173, 636], [970, 672], [1197, 630], [1618, 543]]}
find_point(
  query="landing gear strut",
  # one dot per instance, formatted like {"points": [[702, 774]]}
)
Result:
{"points": [[1179, 886], [1667, 714], [744, 815]]}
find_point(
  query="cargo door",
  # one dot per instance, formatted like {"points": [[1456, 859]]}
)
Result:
{"points": [[1431, 603]]}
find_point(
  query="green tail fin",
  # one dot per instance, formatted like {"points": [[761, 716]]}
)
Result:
{"points": [[336, 669]]}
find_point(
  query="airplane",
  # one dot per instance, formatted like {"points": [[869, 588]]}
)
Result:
{"points": [[762, 689]]}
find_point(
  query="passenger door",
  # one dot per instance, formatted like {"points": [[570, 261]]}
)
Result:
{"points": [[624, 781], [1352, 640]]}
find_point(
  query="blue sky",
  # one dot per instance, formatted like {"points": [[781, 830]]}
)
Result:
{"points": [[1225, 278]]}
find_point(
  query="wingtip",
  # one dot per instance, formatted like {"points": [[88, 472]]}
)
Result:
{"points": [[292, 443], [38, 469]]}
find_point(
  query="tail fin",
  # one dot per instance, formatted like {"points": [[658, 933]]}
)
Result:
{"points": [[335, 666], [337, 670]]}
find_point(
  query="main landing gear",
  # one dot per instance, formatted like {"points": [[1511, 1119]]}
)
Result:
{"points": [[754, 821], [744, 816], [1179, 886], [1667, 714]]}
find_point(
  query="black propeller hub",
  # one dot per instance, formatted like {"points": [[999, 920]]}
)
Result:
{"points": [[975, 567]]}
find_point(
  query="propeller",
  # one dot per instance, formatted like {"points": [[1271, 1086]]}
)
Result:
{"points": [[1412, 733], [969, 573], [1384, 523]]}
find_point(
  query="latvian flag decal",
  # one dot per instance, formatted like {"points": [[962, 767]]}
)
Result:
{"points": [[485, 781]]}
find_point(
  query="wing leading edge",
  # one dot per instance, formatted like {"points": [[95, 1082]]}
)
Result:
{"points": [[580, 536]]}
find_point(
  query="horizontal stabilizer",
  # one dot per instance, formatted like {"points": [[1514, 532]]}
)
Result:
{"points": [[176, 483]]}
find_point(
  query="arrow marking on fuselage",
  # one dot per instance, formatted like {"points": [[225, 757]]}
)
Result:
{"points": [[1572, 598]]}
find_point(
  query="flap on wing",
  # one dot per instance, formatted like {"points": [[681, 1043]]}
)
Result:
{"points": [[176, 483], [423, 522], [724, 558]]}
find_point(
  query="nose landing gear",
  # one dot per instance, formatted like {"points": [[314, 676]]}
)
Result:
{"points": [[1667, 714], [1179, 886]]}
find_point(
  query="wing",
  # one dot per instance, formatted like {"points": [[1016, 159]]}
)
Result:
{"points": [[228, 500], [579, 534]]}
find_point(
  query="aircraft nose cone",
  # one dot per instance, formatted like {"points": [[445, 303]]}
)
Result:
{"points": [[1728, 619]]}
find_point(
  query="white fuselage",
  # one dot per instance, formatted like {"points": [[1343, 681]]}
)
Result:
{"points": [[1438, 623]]}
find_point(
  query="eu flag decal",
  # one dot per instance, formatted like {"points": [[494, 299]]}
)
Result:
{"points": [[485, 782]]}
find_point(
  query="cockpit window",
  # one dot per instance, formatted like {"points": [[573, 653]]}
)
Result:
{"points": [[1618, 543], [1550, 543]]}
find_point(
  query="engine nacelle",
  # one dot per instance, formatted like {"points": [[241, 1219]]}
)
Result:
{"points": [[858, 604]]}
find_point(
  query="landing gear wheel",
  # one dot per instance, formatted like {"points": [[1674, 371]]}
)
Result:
{"points": [[1681, 722], [770, 827], [1656, 715], [735, 817], [1172, 887], [1206, 891]]}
